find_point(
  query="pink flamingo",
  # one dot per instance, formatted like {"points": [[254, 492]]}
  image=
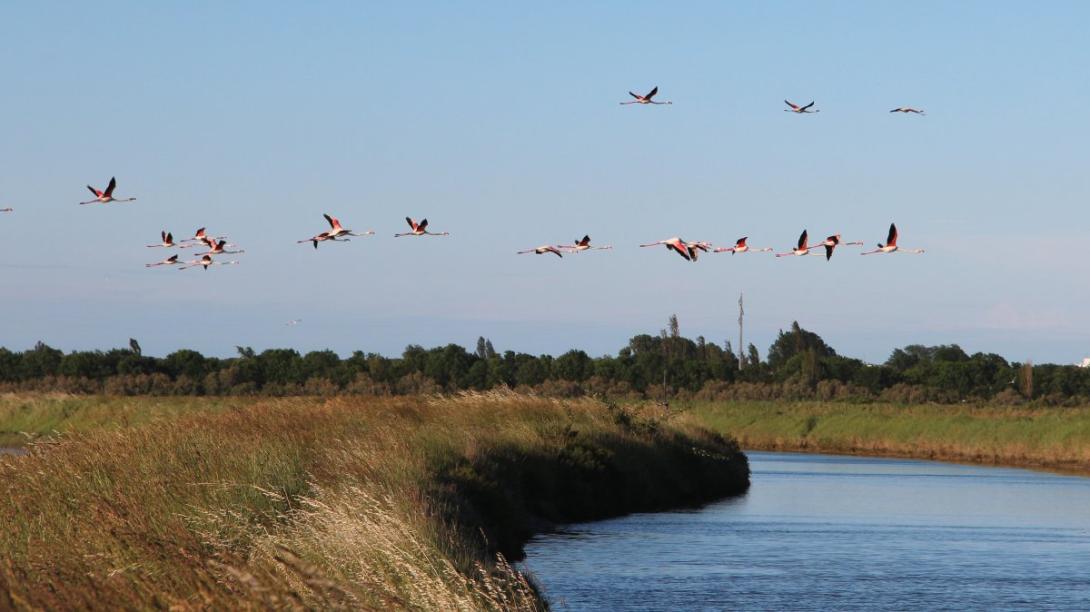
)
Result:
{"points": [[107, 195], [741, 247], [169, 261], [199, 238], [419, 229], [645, 99], [695, 247], [583, 244], [168, 240], [335, 232], [318, 238], [831, 243], [795, 108], [205, 262], [676, 245], [801, 249], [891, 244], [541, 250], [218, 248]]}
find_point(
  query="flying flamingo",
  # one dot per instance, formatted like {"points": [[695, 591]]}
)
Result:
{"points": [[583, 244], [419, 229], [891, 245], [106, 196], [831, 243], [199, 237], [218, 248], [168, 240], [541, 250], [169, 261], [645, 99], [801, 249], [205, 262], [318, 238], [795, 108], [908, 109], [676, 245], [693, 247], [336, 231], [741, 247]]}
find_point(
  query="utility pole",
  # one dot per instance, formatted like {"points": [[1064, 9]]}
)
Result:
{"points": [[741, 347]]}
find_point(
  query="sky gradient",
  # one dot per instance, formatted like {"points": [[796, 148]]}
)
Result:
{"points": [[500, 124]]}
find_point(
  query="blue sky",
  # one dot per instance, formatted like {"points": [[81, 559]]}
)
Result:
{"points": [[500, 124]]}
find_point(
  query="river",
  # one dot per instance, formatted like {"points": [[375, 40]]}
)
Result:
{"points": [[822, 532]]}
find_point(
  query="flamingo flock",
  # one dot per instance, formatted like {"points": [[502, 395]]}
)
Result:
{"points": [[217, 245], [690, 251], [798, 109]]}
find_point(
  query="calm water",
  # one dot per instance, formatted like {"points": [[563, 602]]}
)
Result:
{"points": [[819, 532]]}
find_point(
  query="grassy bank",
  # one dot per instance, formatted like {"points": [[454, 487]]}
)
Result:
{"points": [[25, 417], [1053, 438], [351, 503]]}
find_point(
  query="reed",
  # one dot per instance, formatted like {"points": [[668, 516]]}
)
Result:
{"points": [[408, 503], [1047, 437]]}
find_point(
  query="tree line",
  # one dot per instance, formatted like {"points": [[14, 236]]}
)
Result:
{"points": [[664, 366]]}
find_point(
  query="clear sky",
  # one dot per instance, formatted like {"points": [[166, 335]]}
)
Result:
{"points": [[499, 122]]}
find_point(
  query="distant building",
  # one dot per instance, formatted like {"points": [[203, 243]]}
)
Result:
{"points": [[1085, 363]]}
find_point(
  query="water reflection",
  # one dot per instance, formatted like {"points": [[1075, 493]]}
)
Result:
{"points": [[819, 532]]}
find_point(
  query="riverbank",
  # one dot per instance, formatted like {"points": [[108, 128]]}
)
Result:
{"points": [[1048, 438], [343, 502]]}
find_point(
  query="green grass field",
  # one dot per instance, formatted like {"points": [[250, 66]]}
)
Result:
{"points": [[404, 503], [1055, 438]]}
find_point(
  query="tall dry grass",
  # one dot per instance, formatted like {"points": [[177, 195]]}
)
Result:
{"points": [[338, 503], [28, 416], [1049, 437]]}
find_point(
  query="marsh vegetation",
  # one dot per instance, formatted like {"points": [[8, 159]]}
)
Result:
{"points": [[413, 502]]}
